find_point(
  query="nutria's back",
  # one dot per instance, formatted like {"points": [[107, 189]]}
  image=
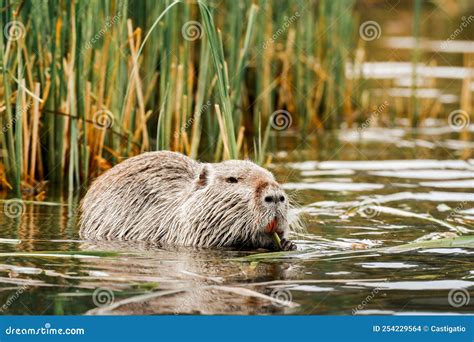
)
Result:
{"points": [[167, 197]]}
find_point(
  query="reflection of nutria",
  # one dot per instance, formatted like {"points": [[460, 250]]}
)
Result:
{"points": [[170, 198]]}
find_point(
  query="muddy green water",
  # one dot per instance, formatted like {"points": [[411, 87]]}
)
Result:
{"points": [[357, 193]]}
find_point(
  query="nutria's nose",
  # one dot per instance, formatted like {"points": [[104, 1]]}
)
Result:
{"points": [[273, 195], [270, 193], [275, 198]]}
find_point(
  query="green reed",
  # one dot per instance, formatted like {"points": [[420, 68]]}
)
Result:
{"points": [[90, 83]]}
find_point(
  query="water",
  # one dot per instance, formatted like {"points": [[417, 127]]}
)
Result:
{"points": [[357, 193]]}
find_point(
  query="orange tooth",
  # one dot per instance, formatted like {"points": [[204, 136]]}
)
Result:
{"points": [[271, 226]]}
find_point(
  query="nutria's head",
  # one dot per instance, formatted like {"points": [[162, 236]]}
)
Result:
{"points": [[241, 203]]}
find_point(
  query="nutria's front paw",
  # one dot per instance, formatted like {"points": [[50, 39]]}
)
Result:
{"points": [[287, 245]]}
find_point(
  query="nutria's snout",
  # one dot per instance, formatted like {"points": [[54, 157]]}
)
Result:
{"points": [[168, 197], [274, 206]]}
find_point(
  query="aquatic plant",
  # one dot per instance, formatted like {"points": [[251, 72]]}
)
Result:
{"points": [[84, 85], [87, 84]]}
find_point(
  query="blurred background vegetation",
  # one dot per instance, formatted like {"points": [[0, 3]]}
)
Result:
{"points": [[85, 84]]}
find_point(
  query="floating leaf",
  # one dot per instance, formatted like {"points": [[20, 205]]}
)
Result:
{"points": [[456, 242]]}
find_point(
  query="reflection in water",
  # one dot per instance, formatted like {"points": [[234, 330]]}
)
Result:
{"points": [[183, 281]]}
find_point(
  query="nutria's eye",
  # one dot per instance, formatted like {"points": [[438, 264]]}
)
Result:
{"points": [[282, 198], [231, 180]]}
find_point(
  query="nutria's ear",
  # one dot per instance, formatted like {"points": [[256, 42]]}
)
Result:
{"points": [[203, 178]]}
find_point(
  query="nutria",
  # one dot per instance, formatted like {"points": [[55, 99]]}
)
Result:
{"points": [[169, 198]]}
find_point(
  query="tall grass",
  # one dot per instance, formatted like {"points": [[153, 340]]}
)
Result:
{"points": [[86, 84]]}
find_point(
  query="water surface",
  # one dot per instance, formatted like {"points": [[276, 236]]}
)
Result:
{"points": [[358, 193]]}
